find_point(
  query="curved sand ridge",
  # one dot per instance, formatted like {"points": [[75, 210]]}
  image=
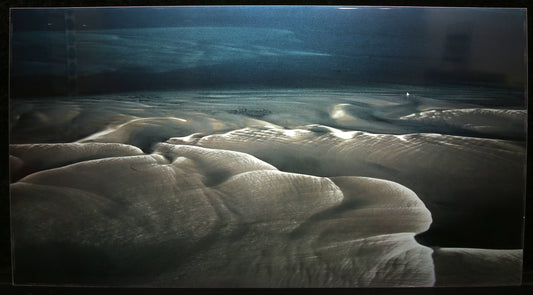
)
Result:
{"points": [[29, 158], [451, 174], [194, 216], [501, 123], [146, 132]]}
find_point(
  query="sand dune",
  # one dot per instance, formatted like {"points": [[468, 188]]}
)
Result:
{"points": [[422, 162], [266, 189], [191, 216]]}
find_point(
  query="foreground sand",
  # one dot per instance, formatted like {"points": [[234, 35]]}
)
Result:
{"points": [[124, 193]]}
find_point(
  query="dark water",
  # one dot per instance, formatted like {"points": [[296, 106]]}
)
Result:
{"points": [[103, 50], [268, 147]]}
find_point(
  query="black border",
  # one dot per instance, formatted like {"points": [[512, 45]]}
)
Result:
{"points": [[5, 245]]}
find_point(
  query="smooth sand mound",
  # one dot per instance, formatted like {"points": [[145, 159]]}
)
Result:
{"points": [[30, 158], [452, 175], [189, 216]]}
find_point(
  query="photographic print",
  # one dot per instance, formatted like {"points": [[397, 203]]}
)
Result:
{"points": [[267, 146]]}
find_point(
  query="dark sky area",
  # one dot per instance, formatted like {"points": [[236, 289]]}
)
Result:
{"points": [[95, 50]]}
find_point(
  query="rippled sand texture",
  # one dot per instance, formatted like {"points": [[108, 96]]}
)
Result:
{"points": [[256, 190]]}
